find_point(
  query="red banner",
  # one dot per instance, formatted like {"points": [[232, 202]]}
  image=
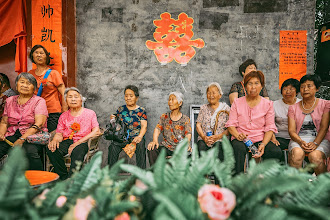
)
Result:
{"points": [[47, 29], [293, 57]]}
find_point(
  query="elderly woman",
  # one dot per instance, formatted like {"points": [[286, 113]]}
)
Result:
{"points": [[24, 115], [252, 117], [173, 125], [52, 85], [308, 126], [135, 119], [75, 127], [289, 91], [211, 120], [237, 89]]}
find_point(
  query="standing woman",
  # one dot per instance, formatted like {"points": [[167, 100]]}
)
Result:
{"points": [[252, 117], [135, 119], [308, 126], [237, 89], [52, 87]]}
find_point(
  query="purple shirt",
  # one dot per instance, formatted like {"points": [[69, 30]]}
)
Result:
{"points": [[254, 122], [23, 116], [87, 121]]}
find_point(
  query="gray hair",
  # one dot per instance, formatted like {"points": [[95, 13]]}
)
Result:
{"points": [[179, 96], [216, 85], [29, 77], [72, 89]]}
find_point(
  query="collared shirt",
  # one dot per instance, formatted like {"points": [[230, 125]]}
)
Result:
{"points": [[23, 116], [254, 122]]}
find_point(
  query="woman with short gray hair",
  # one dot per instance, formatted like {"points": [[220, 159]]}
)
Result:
{"points": [[75, 127], [173, 125], [24, 115]]}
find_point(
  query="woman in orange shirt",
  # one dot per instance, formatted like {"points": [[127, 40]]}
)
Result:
{"points": [[52, 87]]}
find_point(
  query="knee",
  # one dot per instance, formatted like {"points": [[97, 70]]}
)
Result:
{"points": [[297, 154], [316, 157]]}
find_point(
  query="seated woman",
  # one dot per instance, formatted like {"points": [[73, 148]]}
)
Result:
{"points": [[75, 127], [289, 91], [211, 120], [135, 119], [252, 117], [173, 125], [308, 126], [237, 89], [23, 116]]}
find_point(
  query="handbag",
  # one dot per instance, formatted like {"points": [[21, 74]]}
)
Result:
{"points": [[41, 137], [117, 131]]}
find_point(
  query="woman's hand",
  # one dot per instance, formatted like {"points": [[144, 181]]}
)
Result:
{"points": [[261, 150], [241, 136], [18, 143], [137, 139], [53, 145], [72, 146], [152, 145], [275, 141], [309, 147], [2, 137], [209, 140]]}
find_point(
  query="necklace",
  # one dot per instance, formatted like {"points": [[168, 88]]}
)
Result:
{"points": [[302, 103]]}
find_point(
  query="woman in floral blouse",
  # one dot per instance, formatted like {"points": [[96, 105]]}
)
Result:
{"points": [[173, 125], [135, 119], [74, 128], [211, 120]]}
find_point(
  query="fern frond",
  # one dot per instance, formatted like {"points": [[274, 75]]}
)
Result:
{"points": [[172, 208], [159, 169], [88, 177], [145, 176]]}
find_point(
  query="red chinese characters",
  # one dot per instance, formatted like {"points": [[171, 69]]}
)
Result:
{"points": [[173, 39]]}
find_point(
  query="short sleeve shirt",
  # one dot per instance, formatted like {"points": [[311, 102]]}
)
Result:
{"points": [[87, 121], [132, 119], [238, 87], [23, 116], [205, 115], [50, 92], [173, 131]]}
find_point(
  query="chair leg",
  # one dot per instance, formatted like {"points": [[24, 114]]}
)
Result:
{"points": [[246, 167], [285, 151]]}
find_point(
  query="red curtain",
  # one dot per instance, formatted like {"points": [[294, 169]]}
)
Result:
{"points": [[12, 27]]}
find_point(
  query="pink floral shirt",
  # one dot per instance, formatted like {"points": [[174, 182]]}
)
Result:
{"points": [[254, 122], [87, 121], [22, 116]]}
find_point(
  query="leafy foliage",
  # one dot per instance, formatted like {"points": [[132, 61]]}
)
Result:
{"points": [[170, 190]]}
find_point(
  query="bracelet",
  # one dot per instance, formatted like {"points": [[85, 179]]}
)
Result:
{"points": [[315, 143], [261, 144], [23, 139], [35, 127]]}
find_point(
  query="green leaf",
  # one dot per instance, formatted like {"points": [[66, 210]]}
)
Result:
{"points": [[145, 176], [159, 169]]}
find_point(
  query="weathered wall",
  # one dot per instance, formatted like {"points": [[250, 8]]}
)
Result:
{"points": [[111, 49]]}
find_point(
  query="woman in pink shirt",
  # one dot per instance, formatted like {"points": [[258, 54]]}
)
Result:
{"points": [[23, 116], [74, 128], [252, 117], [309, 126]]}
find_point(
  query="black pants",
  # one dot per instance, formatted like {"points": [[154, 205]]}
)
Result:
{"points": [[115, 148], [33, 151], [203, 147], [56, 157], [284, 144], [153, 154], [52, 121], [240, 150]]}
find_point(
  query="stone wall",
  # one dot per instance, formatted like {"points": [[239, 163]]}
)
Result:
{"points": [[111, 49]]}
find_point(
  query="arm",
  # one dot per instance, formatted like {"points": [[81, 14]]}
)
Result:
{"points": [[143, 130], [274, 140], [322, 131], [55, 143], [232, 97], [293, 134], [268, 135], [61, 89], [154, 142], [3, 127], [200, 131], [39, 120], [239, 136], [95, 132]]}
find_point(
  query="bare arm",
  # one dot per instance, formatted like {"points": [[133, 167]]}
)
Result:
{"points": [[232, 97], [61, 89], [3, 127], [95, 132], [268, 135], [239, 136], [154, 142], [143, 131], [323, 128], [200, 130]]}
